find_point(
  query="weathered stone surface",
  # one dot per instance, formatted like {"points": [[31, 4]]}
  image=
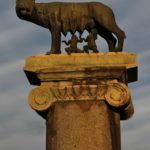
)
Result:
{"points": [[87, 125], [116, 94], [82, 97], [41, 61], [40, 99], [44, 68]]}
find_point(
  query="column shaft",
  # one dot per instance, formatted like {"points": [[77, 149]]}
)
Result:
{"points": [[81, 125]]}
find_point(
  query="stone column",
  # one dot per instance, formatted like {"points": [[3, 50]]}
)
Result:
{"points": [[83, 97]]}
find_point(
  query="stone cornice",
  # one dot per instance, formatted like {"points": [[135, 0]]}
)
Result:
{"points": [[43, 68]]}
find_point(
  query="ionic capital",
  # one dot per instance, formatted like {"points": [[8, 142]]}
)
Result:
{"points": [[116, 94]]}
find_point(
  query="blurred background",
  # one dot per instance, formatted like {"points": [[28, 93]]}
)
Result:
{"points": [[20, 127]]}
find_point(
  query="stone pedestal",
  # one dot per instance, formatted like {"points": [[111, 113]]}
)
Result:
{"points": [[83, 97]]}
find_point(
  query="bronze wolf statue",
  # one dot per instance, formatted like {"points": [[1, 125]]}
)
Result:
{"points": [[60, 17]]}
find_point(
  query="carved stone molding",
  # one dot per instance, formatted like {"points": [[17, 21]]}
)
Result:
{"points": [[40, 99], [84, 77], [116, 94], [58, 68]]}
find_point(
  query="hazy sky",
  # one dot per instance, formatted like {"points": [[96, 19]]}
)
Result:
{"points": [[20, 127]]}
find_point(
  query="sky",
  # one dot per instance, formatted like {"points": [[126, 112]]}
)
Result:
{"points": [[20, 127]]}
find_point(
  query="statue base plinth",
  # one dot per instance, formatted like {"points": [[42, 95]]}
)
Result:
{"points": [[47, 68]]}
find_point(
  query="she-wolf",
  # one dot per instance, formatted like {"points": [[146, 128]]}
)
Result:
{"points": [[60, 17]]}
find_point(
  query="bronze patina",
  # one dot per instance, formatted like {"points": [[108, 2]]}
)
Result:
{"points": [[73, 45], [91, 44], [60, 17]]}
